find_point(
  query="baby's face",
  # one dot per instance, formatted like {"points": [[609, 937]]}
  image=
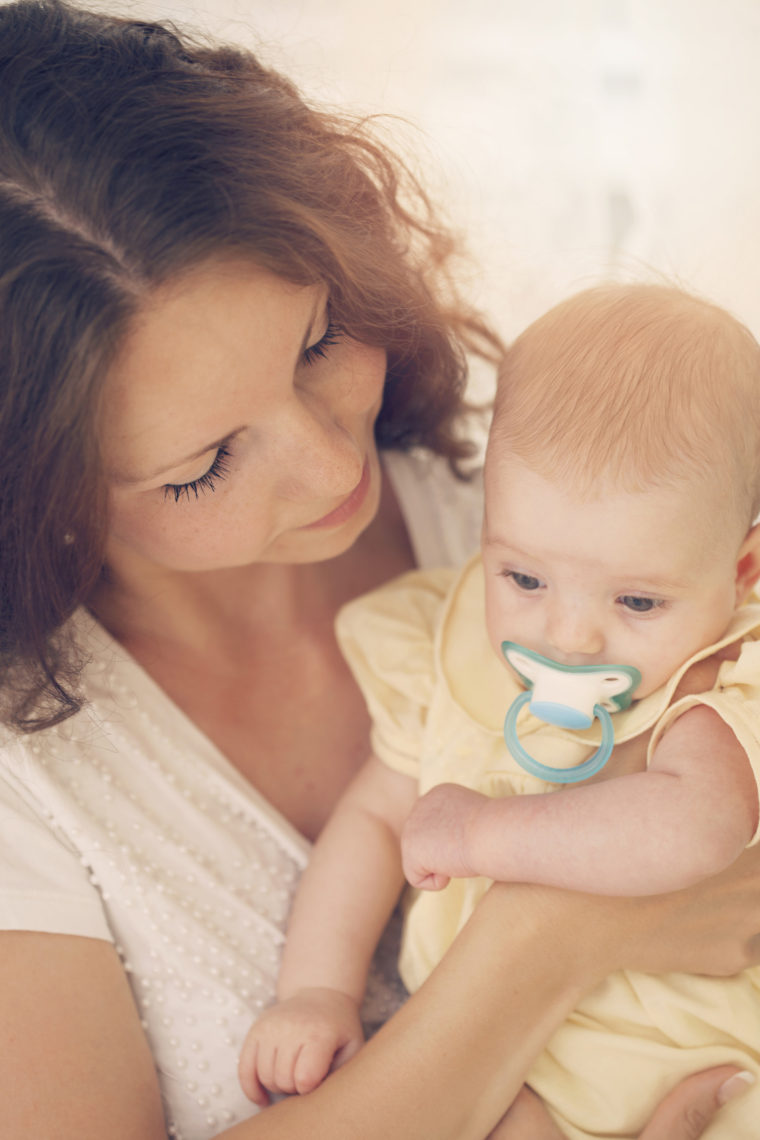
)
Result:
{"points": [[631, 578]]}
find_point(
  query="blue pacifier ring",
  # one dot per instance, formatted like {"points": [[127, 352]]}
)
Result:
{"points": [[573, 775]]}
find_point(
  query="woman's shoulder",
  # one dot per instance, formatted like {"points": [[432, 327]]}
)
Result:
{"points": [[44, 882]]}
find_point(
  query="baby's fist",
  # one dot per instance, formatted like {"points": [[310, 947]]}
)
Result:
{"points": [[435, 839], [297, 1042]]}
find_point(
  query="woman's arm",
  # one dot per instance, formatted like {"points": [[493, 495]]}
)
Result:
{"points": [[74, 1061], [76, 1065], [450, 1059]]}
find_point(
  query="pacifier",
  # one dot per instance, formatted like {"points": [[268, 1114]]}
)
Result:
{"points": [[569, 696]]}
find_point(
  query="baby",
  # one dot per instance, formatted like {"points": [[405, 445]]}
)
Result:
{"points": [[622, 480]]}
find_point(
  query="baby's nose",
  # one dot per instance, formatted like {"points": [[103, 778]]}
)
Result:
{"points": [[574, 630]]}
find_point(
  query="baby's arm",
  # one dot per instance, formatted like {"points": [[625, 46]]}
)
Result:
{"points": [[341, 907], [688, 816]]}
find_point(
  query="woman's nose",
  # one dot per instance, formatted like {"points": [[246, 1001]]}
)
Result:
{"points": [[320, 458], [574, 630]]}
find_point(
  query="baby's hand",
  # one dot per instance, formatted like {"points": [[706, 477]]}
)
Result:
{"points": [[296, 1043], [434, 841]]}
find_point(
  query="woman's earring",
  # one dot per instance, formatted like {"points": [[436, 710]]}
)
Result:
{"points": [[68, 538]]}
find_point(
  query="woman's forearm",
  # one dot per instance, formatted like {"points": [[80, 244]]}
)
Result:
{"points": [[453, 1058], [448, 1064]]}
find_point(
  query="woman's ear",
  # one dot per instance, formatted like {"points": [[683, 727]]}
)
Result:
{"points": [[748, 563]]}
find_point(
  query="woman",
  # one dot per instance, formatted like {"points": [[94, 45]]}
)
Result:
{"points": [[218, 308]]}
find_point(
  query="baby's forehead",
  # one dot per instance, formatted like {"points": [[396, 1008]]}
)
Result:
{"points": [[679, 521]]}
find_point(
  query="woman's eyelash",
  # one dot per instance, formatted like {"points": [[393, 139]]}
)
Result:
{"points": [[207, 482], [318, 351]]}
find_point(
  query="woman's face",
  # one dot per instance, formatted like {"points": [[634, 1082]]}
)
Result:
{"points": [[238, 426]]}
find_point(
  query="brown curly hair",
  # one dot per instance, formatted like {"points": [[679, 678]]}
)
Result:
{"points": [[129, 153]]}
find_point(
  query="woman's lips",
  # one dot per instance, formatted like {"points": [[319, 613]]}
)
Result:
{"points": [[348, 507]]}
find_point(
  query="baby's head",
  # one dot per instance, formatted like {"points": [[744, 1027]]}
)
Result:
{"points": [[622, 479], [636, 386]]}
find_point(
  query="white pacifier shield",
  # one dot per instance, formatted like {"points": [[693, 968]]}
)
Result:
{"points": [[565, 697]]}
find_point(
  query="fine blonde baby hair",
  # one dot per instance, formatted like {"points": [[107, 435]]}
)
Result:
{"points": [[636, 385]]}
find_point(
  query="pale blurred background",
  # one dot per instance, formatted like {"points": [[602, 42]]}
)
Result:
{"points": [[569, 139]]}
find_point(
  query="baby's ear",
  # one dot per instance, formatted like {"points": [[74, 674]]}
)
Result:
{"points": [[748, 563]]}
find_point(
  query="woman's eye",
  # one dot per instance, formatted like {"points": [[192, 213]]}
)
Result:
{"points": [[207, 482], [639, 605], [318, 350], [524, 581]]}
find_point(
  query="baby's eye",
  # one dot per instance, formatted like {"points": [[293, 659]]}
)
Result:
{"points": [[638, 604], [524, 581]]}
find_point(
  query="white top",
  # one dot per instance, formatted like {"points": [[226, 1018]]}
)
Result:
{"points": [[126, 823]]}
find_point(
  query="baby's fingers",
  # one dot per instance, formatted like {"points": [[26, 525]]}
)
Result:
{"points": [[418, 875], [266, 1066], [248, 1073], [349, 1050], [428, 880], [312, 1064]]}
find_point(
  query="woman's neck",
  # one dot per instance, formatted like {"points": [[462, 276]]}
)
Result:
{"points": [[217, 609]]}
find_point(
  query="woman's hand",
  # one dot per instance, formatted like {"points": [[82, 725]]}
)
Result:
{"points": [[683, 1115]]}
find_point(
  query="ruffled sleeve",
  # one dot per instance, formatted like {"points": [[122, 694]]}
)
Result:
{"points": [[44, 883], [388, 640]]}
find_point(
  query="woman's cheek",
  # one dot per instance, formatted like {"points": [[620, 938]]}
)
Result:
{"points": [[182, 534]]}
